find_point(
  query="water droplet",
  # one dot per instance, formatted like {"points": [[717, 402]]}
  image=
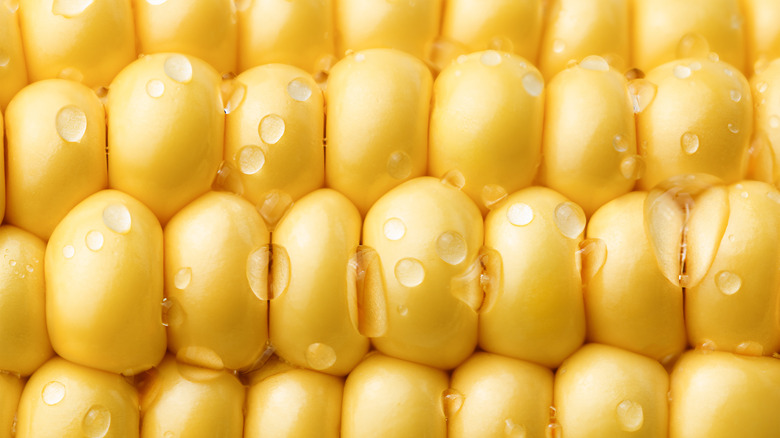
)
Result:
{"points": [[4, 59], [774, 122], [558, 46], [182, 278], [451, 247], [360, 57], [53, 393], [452, 402], [166, 308], [94, 240], [707, 345], [155, 88], [642, 94], [394, 229], [533, 83], [299, 90], [501, 43], [735, 95], [233, 92], [570, 219], [736, 21], [273, 206], [492, 194], [257, 271], [12, 5], [242, 5], [228, 179], [271, 129], [594, 63], [520, 214], [12, 263], [750, 348], [250, 160], [593, 255], [774, 196], [620, 143], [96, 422], [156, 2], [732, 238], [169, 434], [409, 272], [728, 72], [690, 143], [490, 58], [116, 217], [461, 59], [202, 357], [630, 415], [71, 123], [733, 129], [554, 430], [728, 282], [320, 356], [761, 87], [682, 71], [632, 168], [178, 68], [454, 178], [69, 8], [513, 430], [68, 251], [29, 268], [692, 45], [399, 165], [745, 195], [402, 310]]}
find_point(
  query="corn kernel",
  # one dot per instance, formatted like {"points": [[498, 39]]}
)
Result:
{"points": [[10, 392], [13, 69]]}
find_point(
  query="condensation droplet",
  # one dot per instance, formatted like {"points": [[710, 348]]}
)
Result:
{"points": [[71, 74], [728, 72], [29, 268], [744, 195], [299, 90], [735, 95], [594, 63], [116, 217], [273, 206], [178, 68], [690, 143], [96, 422], [630, 415], [399, 165], [394, 229], [632, 168], [682, 71], [228, 179], [409, 272], [490, 58], [774, 196], [692, 45], [761, 87], [70, 8], [454, 178], [53, 393], [492, 194], [402, 310], [452, 402], [642, 94], [728, 282], [156, 2], [750, 348], [12, 263], [570, 219], [71, 123], [513, 430], [94, 240], [533, 84], [4, 59], [257, 271], [733, 129], [593, 255], [620, 143], [695, 66], [520, 214], [774, 122], [502, 43], [250, 160], [202, 357], [182, 278], [155, 88], [233, 93], [68, 251], [12, 5], [451, 247], [271, 129], [558, 46], [360, 57], [320, 356]]}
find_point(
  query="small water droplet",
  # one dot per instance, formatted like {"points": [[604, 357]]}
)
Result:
{"points": [[733, 128], [156, 2], [394, 229], [558, 46], [12, 5], [736, 21], [774, 122], [12, 263], [69, 8], [53, 393], [271, 129], [4, 59], [490, 58], [29, 268], [642, 93], [251, 159], [360, 57], [168, 434], [228, 179], [594, 63], [707, 345], [461, 59], [96, 422], [745, 195], [203, 357], [451, 247], [454, 178], [155, 88], [695, 66], [513, 430], [320, 356], [728, 72], [94, 240], [182, 278], [116, 217], [299, 90], [71, 123], [402, 310], [761, 87], [242, 5], [620, 143], [682, 71], [632, 168], [501, 43], [593, 255], [399, 165], [728, 282], [735, 95], [273, 206], [732, 238], [750, 348], [492, 194], [774, 196], [533, 83], [520, 214], [554, 430], [233, 93], [452, 402], [692, 45], [178, 68], [68, 251], [409, 272], [570, 219], [166, 308], [690, 143], [630, 415]]}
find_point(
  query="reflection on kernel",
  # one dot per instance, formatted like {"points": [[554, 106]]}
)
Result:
{"points": [[409, 272], [570, 219], [155, 88], [182, 278], [394, 229], [178, 68], [250, 160], [271, 129], [94, 240], [71, 123], [520, 214], [451, 247]]}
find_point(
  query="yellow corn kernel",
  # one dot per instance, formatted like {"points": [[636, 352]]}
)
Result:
{"points": [[10, 392], [533, 309], [104, 285], [377, 124], [22, 317], [605, 391], [183, 400], [589, 145], [486, 124], [65, 400], [162, 151], [56, 153], [311, 320], [496, 396], [696, 116], [13, 69], [508, 25], [719, 395], [765, 157], [286, 402], [629, 302], [389, 397], [736, 306], [2, 176], [576, 29], [427, 235], [664, 30], [273, 135], [298, 33], [205, 29], [85, 41], [410, 26], [217, 315], [762, 36]]}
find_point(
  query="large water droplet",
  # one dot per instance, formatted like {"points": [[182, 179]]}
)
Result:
{"points": [[733, 128], [271, 129], [520, 214], [71, 123], [257, 271], [490, 58], [630, 415], [594, 63], [570, 219], [273, 207], [394, 229], [228, 179], [451, 247], [690, 143], [533, 83], [68, 251], [399, 165], [116, 217], [53, 393], [155, 88], [452, 402], [94, 240], [182, 278], [681, 71], [178, 68], [299, 90], [409, 272], [502, 44], [96, 422], [250, 160], [632, 167], [728, 282], [642, 93], [70, 8], [492, 194], [320, 356]]}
